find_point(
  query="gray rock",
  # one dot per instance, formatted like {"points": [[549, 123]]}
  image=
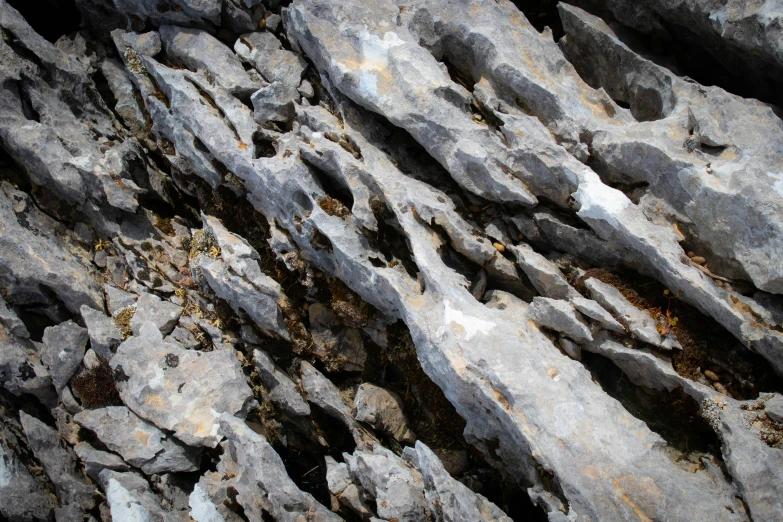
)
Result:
{"points": [[23, 497], [275, 64], [68, 513], [200, 51], [104, 334], [306, 89], [774, 408], [202, 509], [96, 461], [544, 274], [262, 483], [559, 316], [637, 321], [272, 103], [118, 299], [382, 409], [593, 310], [121, 87], [188, 390], [150, 308], [131, 498], [11, 322], [64, 350], [324, 394], [395, 484], [449, 499], [572, 349], [236, 277], [349, 494], [140, 443], [282, 390], [59, 464], [21, 369]]}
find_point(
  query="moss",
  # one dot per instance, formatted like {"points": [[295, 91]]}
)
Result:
{"points": [[203, 242], [122, 318], [146, 246], [165, 226], [333, 207], [348, 307], [96, 387]]}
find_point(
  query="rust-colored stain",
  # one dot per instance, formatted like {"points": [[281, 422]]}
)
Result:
{"points": [[143, 437], [636, 509], [502, 399], [242, 145]]}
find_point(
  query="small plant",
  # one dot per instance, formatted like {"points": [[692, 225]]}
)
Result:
{"points": [[96, 386], [101, 244]]}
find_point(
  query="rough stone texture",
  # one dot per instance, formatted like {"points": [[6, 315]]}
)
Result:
{"points": [[96, 461], [262, 471], [64, 347], [559, 316], [179, 390], [59, 464], [104, 334], [382, 409], [282, 390], [443, 160], [637, 321], [23, 497], [150, 308], [140, 443], [236, 276]]}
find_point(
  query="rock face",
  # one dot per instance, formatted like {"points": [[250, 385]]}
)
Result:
{"points": [[179, 390], [295, 233]]}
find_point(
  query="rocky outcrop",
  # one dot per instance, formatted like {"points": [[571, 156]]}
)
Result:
{"points": [[292, 262]]}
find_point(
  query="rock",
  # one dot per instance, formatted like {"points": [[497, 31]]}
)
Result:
{"points": [[150, 308], [450, 499], [544, 274], [282, 390], [275, 64], [321, 392], [68, 512], [453, 461], [21, 369], [140, 443], [123, 503], [593, 310], [571, 348], [774, 408], [236, 276], [59, 464], [118, 299], [64, 350], [11, 321], [272, 103], [306, 89], [382, 409], [126, 107], [348, 493], [189, 391], [637, 321], [96, 461], [23, 497], [200, 51], [202, 509], [261, 471], [395, 484], [104, 334], [559, 316]]}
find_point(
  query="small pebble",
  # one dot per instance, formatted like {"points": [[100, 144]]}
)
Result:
{"points": [[499, 247], [698, 260], [691, 254], [711, 375], [720, 388]]}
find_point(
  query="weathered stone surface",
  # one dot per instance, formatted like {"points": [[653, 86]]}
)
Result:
{"points": [[275, 64], [236, 276], [131, 498], [382, 409], [200, 51], [261, 471], [21, 369], [150, 308], [23, 497], [104, 334], [324, 394], [774, 408], [59, 464], [64, 347], [559, 316], [282, 390], [140, 443], [349, 494], [637, 321], [96, 461], [179, 390]]}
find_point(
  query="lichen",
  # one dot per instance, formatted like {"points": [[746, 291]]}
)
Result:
{"points": [[203, 242], [122, 319], [133, 61], [333, 207]]}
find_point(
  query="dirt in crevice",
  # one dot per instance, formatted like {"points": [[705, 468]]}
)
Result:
{"points": [[709, 351]]}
